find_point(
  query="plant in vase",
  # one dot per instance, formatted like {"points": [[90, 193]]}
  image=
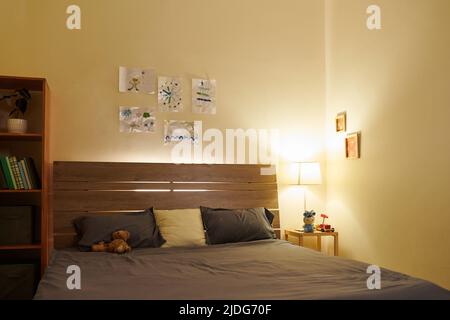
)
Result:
{"points": [[16, 123]]}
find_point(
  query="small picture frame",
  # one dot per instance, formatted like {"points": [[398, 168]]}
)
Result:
{"points": [[352, 146], [341, 122]]}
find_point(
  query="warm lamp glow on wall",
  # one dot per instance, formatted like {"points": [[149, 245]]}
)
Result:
{"points": [[308, 174]]}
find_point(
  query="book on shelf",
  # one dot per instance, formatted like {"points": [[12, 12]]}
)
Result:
{"points": [[36, 182], [18, 173], [6, 173], [11, 174], [27, 177], [3, 182], [22, 175]]}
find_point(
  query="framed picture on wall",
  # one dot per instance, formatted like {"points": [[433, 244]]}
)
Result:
{"points": [[352, 145], [341, 122]]}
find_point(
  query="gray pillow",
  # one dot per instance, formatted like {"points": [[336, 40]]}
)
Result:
{"points": [[236, 225], [143, 230], [269, 215]]}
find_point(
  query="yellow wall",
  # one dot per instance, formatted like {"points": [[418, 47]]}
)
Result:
{"points": [[393, 205], [267, 57]]}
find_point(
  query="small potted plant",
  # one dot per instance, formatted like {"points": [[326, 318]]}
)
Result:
{"points": [[16, 123]]}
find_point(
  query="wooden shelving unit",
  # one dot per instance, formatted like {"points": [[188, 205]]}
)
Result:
{"points": [[5, 136], [34, 144], [21, 247], [20, 191]]}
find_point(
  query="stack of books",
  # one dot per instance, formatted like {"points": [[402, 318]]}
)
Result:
{"points": [[18, 173]]}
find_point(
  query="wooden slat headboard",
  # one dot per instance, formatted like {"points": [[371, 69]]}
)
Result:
{"points": [[94, 188]]}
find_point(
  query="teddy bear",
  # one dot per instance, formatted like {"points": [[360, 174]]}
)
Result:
{"points": [[308, 219], [117, 245]]}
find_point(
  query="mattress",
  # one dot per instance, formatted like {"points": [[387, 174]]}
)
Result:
{"points": [[267, 269]]}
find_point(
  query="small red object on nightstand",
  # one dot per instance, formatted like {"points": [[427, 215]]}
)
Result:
{"points": [[325, 227]]}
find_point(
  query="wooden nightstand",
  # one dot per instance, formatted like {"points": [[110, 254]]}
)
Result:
{"points": [[300, 234]]}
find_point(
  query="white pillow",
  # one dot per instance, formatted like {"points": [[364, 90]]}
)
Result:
{"points": [[181, 227]]}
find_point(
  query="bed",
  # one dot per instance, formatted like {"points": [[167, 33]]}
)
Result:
{"points": [[264, 269]]}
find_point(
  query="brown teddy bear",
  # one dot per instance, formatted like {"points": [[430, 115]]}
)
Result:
{"points": [[117, 245]]}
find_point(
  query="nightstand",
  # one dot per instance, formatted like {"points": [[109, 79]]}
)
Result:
{"points": [[300, 235]]}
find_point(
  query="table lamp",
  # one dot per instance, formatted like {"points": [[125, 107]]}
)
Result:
{"points": [[308, 174]]}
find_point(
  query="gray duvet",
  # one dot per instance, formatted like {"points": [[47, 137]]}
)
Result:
{"points": [[267, 269]]}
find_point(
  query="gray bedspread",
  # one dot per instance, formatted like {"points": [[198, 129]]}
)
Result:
{"points": [[268, 269]]}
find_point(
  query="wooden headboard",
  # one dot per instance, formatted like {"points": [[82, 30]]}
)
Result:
{"points": [[94, 188]]}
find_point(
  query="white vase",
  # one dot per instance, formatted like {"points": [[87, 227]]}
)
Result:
{"points": [[17, 125]]}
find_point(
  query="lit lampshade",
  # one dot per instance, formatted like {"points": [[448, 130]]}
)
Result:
{"points": [[309, 173]]}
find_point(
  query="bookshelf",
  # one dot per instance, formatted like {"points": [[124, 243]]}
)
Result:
{"points": [[34, 144], [19, 191], [5, 136], [21, 247]]}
